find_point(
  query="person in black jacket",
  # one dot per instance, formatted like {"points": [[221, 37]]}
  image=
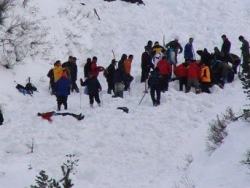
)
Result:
{"points": [[73, 73], [120, 78], [1, 117], [146, 64], [87, 68], [154, 85], [226, 45], [51, 80], [174, 46], [245, 54], [94, 87], [110, 76]]}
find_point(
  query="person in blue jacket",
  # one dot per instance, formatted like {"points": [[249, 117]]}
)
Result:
{"points": [[189, 51], [62, 91]]}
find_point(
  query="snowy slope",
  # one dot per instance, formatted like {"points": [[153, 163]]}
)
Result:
{"points": [[148, 147]]}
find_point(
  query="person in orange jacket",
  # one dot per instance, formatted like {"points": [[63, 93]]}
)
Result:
{"points": [[181, 72], [165, 70], [127, 66], [193, 75], [205, 78]]}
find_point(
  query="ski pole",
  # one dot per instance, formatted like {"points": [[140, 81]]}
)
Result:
{"points": [[143, 96], [81, 97]]}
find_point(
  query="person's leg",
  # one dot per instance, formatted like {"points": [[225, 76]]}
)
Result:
{"points": [[59, 102], [152, 94], [97, 98], [181, 83], [91, 100], [65, 104], [158, 96]]}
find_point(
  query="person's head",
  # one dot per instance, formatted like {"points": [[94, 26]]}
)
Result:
{"points": [[241, 38], [150, 43], [113, 62], [58, 63], [88, 60], [74, 59], [156, 43], [191, 40], [216, 49], [124, 57], [131, 57], [224, 37], [39, 114], [94, 59], [70, 58]]}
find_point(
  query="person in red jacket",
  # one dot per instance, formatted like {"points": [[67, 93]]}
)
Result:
{"points": [[193, 75], [48, 115], [165, 70], [181, 72], [94, 68]]}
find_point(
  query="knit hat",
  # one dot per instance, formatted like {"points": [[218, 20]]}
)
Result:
{"points": [[64, 74]]}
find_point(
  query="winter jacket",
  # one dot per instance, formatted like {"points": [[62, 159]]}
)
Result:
{"points": [[120, 75], [193, 71], [51, 76], [245, 47], [175, 45], [57, 72], [62, 86], [189, 51], [225, 48], [164, 67], [181, 70], [111, 72], [87, 69], [48, 115], [154, 79], [127, 65], [93, 85], [157, 48], [146, 62], [205, 74], [94, 69]]}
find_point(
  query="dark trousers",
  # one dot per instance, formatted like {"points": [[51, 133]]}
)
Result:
{"points": [[205, 87], [155, 89], [164, 82], [62, 100], [74, 87], [67, 114], [183, 82], [111, 87], [128, 82], [96, 97], [245, 64], [144, 76]]}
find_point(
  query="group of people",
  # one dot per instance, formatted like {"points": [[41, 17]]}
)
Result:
{"points": [[159, 62], [63, 79]]}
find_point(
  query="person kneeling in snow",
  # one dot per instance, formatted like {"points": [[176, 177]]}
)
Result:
{"points": [[1, 117], [48, 115]]}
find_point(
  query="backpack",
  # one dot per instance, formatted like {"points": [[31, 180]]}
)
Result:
{"points": [[106, 72]]}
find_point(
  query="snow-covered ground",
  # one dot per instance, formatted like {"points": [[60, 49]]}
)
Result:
{"points": [[150, 146]]}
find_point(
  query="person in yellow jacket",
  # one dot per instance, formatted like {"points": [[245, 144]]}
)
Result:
{"points": [[127, 66], [57, 70], [205, 78]]}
